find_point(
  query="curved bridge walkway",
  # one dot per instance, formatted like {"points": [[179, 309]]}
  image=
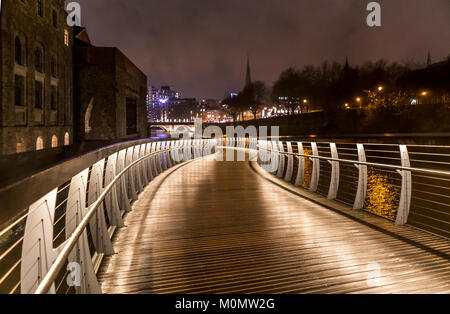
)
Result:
{"points": [[224, 227]]}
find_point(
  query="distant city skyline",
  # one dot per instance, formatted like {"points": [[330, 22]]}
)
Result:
{"points": [[189, 45]]}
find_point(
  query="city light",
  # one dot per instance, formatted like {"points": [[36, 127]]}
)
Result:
{"points": [[380, 88], [424, 93]]}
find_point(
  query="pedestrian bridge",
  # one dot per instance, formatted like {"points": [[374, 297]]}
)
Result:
{"points": [[168, 217]]}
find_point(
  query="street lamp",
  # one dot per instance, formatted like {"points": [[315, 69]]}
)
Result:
{"points": [[358, 100], [380, 88]]}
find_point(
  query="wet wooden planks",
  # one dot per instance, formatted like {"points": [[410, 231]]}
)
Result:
{"points": [[219, 227]]}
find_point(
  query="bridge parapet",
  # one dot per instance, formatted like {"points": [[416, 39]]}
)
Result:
{"points": [[67, 230], [56, 244], [407, 184]]}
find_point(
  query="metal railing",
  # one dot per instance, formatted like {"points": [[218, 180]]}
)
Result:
{"points": [[66, 232], [68, 228], [385, 179]]}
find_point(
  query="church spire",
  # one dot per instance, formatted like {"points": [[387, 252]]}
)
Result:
{"points": [[248, 77]]}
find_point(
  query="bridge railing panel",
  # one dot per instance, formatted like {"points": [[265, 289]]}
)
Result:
{"points": [[407, 184], [57, 245]]}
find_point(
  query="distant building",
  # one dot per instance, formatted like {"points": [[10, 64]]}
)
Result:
{"points": [[162, 102], [153, 112], [182, 110], [36, 76], [111, 93]]}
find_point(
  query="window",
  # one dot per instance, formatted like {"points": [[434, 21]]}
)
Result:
{"points": [[66, 139], [53, 98], [20, 146], [38, 94], [53, 66], [54, 19], [131, 116], [18, 51], [66, 37], [19, 87], [54, 141], [40, 8], [40, 143], [38, 60]]}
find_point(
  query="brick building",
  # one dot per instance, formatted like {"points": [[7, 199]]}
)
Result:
{"points": [[36, 73], [110, 93]]}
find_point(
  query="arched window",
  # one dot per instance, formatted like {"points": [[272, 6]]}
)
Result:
{"points": [[54, 141], [18, 51], [40, 143], [66, 139], [38, 60]]}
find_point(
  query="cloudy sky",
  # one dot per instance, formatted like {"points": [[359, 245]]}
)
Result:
{"points": [[200, 46]]}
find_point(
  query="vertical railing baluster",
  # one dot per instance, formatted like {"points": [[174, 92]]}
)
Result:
{"points": [[282, 159], [334, 181], [290, 164], [406, 192], [315, 169], [362, 179], [301, 166]]}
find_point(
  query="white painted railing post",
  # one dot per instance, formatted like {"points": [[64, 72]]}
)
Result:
{"points": [[315, 169], [37, 248], [301, 165], [282, 160], [334, 182], [124, 201], [75, 212], [406, 192], [97, 225], [362, 179], [163, 156], [131, 181], [290, 164]]}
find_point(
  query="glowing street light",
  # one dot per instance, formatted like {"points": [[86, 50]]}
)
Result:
{"points": [[424, 93], [347, 106], [380, 88], [358, 99]]}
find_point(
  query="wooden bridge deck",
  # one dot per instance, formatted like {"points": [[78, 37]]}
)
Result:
{"points": [[220, 227]]}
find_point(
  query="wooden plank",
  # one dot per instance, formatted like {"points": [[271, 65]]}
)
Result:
{"points": [[220, 227]]}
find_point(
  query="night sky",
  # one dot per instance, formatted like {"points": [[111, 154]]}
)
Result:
{"points": [[200, 46]]}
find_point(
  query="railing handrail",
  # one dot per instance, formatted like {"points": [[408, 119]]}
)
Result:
{"points": [[15, 202], [362, 163], [70, 243]]}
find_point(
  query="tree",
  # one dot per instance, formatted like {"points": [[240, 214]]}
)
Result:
{"points": [[255, 96], [287, 90]]}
